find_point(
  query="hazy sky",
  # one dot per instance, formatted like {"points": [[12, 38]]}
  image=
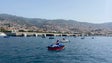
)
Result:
{"points": [[93, 11]]}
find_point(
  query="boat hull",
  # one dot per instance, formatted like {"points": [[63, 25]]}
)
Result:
{"points": [[56, 48]]}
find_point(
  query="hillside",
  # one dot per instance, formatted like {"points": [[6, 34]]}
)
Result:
{"points": [[59, 25]]}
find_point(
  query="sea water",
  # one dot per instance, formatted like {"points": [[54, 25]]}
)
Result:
{"points": [[34, 50]]}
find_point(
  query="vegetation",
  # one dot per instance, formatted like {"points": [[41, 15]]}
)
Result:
{"points": [[55, 26]]}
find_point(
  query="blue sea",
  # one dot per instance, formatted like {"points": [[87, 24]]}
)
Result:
{"points": [[34, 50]]}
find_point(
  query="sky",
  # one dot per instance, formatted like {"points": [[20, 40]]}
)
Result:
{"points": [[92, 11]]}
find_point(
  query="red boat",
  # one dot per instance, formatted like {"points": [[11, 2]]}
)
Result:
{"points": [[56, 48]]}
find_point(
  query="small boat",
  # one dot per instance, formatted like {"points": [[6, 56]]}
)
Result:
{"points": [[83, 37], [64, 41], [51, 37], [2, 34], [92, 37], [56, 47]]}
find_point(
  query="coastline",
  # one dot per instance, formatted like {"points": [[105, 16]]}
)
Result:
{"points": [[35, 34]]}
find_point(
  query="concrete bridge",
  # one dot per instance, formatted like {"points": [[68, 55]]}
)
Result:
{"points": [[43, 34]]}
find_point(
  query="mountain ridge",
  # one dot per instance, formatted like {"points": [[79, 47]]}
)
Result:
{"points": [[59, 25]]}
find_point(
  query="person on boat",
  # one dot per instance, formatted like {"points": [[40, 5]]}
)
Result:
{"points": [[57, 42]]}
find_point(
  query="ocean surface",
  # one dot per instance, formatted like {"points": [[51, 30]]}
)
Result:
{"points": [[34, 50]]}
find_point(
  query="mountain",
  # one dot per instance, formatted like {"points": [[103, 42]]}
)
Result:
{"points": [[59, 25]]}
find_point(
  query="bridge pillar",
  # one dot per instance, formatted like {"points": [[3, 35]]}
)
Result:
{"points": [[45, 35], [61, 35], [36, 35], [25, 35]]}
